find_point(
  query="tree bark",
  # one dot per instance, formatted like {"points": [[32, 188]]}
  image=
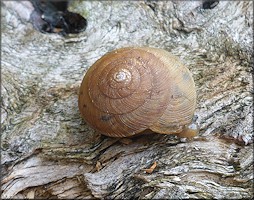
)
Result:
{"points": [[48, 151]]}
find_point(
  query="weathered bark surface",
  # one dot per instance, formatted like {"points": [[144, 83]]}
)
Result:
{"points": [[49, 152]]}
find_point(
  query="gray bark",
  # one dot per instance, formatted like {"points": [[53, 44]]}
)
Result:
{"points": [[48, 151]]}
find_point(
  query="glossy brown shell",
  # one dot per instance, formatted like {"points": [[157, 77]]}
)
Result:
{"points": [[130, 90]]}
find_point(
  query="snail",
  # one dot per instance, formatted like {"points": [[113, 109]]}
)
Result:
{"points": [[134, 89]]}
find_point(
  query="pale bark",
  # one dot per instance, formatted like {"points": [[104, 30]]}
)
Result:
{"points": [[48, 151]]}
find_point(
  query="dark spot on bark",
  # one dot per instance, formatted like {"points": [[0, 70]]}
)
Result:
{"points": [[106, 117], [53, 17], [209, 4]]}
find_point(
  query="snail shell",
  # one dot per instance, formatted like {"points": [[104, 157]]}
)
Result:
{"points": [[130, 90]]}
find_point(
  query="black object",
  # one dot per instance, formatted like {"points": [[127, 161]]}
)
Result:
{"points": [[53, 17], [209, 4]]}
